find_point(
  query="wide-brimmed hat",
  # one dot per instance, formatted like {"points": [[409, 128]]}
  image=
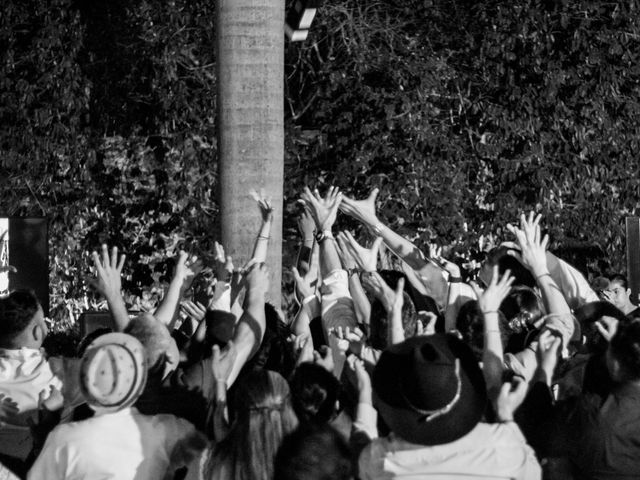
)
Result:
{"points": [[429, 389], [113, 372]]}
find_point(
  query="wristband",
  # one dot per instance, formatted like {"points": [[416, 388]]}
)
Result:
{"points": [[543, 275], [324, 235], [263, 237], [455, 279], [353, 271], [490, 312], [378, 227], [308, 299]]}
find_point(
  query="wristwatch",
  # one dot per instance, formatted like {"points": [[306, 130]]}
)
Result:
{"points": [[323, 235]]}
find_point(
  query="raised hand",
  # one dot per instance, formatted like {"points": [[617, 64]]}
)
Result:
{"points": [[510, 398], [264, 204], [50, 399], [365, 258], [376, 284], [323, 210], [306, 226], [195, 310], [222, 361], [108, 268], [362, 210], [497, 290], [426, 324], [347, 339], [256, 278], [342, 245], [607, 326], [9, 410], [324, 357], [547, 353], [224, 264], [365, 391], [186, 270], [533, 247], [303, 348]]}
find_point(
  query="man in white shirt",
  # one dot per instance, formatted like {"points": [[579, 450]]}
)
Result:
{"points": [[431, 393], [118, 442], [25, 371]]}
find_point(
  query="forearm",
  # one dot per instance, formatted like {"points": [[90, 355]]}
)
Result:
{"points": [[492, 354], [118, 310], [399, 245], [361, 303], [249, 331], [220, 424], [329, 258], [165, 313], [451, 311], [395, 330], [552, 296], [309, 310], [261, 247]]}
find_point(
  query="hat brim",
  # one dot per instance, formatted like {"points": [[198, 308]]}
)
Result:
{"points": [[138, 353], [410, 425]]}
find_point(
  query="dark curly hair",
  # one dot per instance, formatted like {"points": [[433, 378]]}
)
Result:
{"points": [[16, 312], [314, 393]]}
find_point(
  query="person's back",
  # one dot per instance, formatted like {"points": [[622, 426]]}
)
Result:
{"points": [[490, 451], [118, 442], [122, 445], [431, 393], [24, 370], [602, 431]]}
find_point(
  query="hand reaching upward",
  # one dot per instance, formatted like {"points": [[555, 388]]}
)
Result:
{"points": [[362, 210], [323, 209]]}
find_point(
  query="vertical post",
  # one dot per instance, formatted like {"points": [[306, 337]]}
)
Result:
{"points": [[250, 63], [633, 257]]}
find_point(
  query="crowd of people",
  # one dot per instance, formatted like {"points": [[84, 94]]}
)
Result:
{"points": [[528, 371]]}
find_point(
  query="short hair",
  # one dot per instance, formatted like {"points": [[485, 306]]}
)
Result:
{"points": [[378, 323], [154, 337], [621, 279], [625, 347], [16, 312], [314, 392], [470, 326], [500, 256], [314, 453]]}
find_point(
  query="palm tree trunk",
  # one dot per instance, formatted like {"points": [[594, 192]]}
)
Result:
{"points": [[250, 59]]}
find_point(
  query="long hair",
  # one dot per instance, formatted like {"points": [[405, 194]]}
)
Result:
{"points": [[263, 416]]}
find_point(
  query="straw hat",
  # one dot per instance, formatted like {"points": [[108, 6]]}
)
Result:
{"points": [[113, 372]]}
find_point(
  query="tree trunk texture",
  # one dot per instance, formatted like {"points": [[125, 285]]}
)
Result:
{"points": [[250, 59]]}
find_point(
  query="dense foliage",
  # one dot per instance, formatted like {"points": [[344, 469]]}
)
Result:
{"points": [[464, 113]]}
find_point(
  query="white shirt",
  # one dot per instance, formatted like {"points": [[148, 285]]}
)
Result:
{"points": [[24, 373], [125, 446], [490, 451]]}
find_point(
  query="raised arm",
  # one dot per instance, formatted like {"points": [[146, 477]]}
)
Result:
{"points": [[365, 212], [489, 302], [185, 271], [533, 255], [261, 246], [360, 301], [324, 212], [108, 282], [251, 326]]}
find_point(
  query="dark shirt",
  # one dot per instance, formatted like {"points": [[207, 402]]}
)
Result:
{"points": [[602, 435], [598, 431]]}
